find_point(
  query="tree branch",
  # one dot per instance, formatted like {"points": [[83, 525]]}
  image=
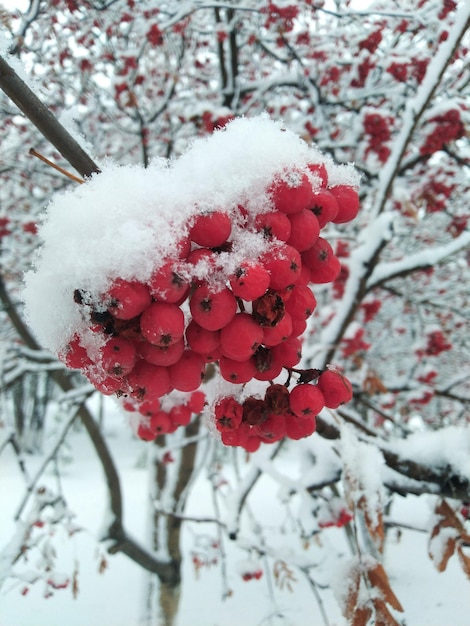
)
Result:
{"points": [[26, 100]]}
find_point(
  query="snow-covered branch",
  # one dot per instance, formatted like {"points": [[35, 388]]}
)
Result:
{"points": [[420, 260]]}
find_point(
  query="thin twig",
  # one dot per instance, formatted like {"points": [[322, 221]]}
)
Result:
{"points": [[40, 156]]}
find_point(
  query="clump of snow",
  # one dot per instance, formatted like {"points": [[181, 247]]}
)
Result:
{"points": [[447, 447], [122, 222]]}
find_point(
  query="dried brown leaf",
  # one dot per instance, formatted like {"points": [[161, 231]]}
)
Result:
{"points": [[383, 617], [361, 616], [373, 384], [378, 578], [350, 606], [375, 527], [449, 518], [464, 560]]}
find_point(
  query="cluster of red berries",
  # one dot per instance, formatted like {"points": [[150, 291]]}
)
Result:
{"points": [[281, 413], [146, 339]]}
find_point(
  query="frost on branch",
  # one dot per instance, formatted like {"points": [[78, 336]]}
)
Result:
{"points": [[148, 276]]}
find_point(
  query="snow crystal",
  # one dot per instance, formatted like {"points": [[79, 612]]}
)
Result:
{"points": [[122, 222]]}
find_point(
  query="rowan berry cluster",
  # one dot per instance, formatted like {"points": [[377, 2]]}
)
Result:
{"points": [[206, 303]]}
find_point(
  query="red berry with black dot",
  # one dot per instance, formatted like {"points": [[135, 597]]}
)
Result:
{"points": [[302, 302], [160, 423], [273, 225], [228, 414], [127, 299], [161, 355], [335, 387], [324, 206], [147, 381], [284, 265], [236, 372], [272, 429], [250, 281], [118, 356], [322, 262], [279, 333], [162, 324], [306, 400], [288, 353], [212, 309], [167, 285]]}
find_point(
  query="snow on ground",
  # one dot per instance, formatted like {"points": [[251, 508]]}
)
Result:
{"points": [[115, 597]]}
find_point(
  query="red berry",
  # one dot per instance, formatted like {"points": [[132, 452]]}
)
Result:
{"points": [[301, 303], [284, 264], [148, 381], [275, 225], [335, 387], [298, 327], [273, 428], [212, 310], [148, 407], [304, 230], [228, 414], [324, 206], [288, 353], [127, 299], [319, 172], [197, 401], [118, 356], [240, 338], [268, 363], [145, 433], [167, 285], [251, 444], [250, 281], [268, 310], [211, 230], [107, 385], [323, 263], [75, 355], [200, 339], [188, 372], [161, 355], [162, 324], [306, 400], [236, 372], [298, 428], [292, 192], [348, 203], [279, 333], [180, 415], [160, 423]]}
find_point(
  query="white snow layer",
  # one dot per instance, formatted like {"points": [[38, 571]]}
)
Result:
{"points": [[122, 222]]}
